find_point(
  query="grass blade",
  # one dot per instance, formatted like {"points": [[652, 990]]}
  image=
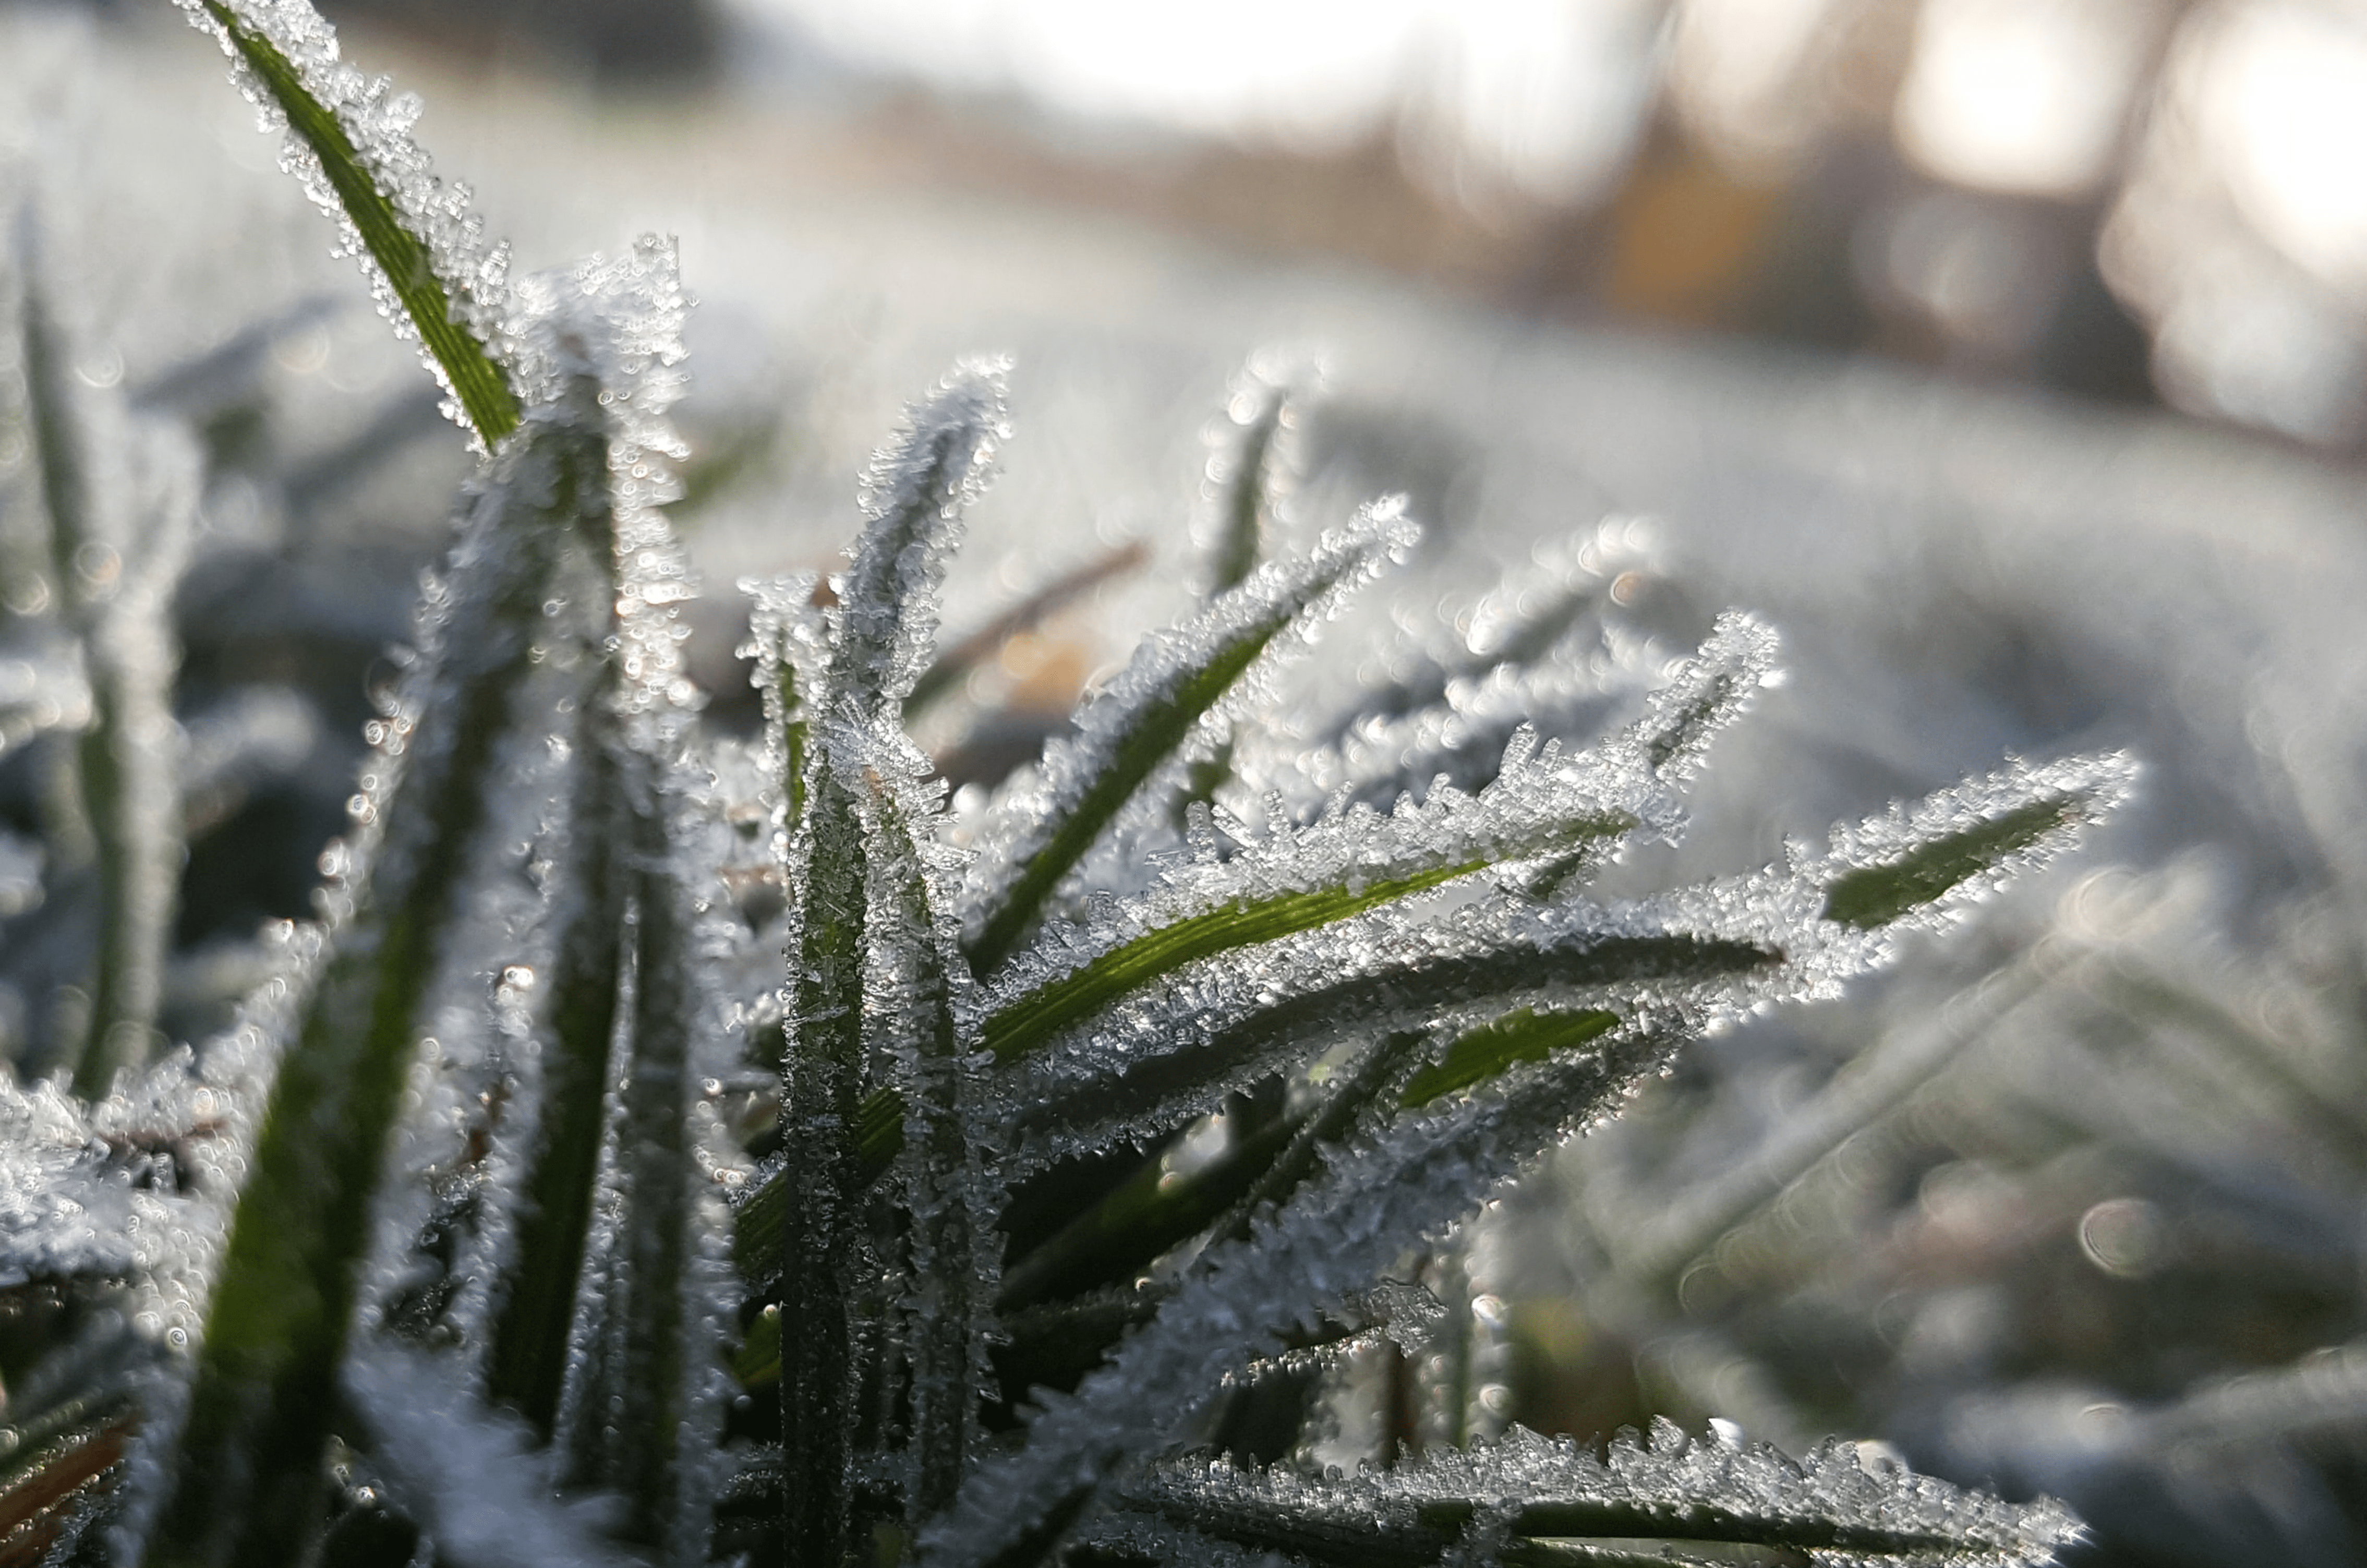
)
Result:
{"points": [[1149, 1212], [1878, 895], [1962, 840], [944, 1251], [1676, 1501], [1151, 711], [1404, 992], [128, 768], [914, 493], [1524, 1035], [404, 255], [1372, 862], [649, 1406], [527, 1367], [1246, 474], [789, 639], [246, 1487], [819, 1214], [118, 802]]}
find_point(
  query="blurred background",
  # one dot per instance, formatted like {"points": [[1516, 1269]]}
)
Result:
{"points": [[2128, 199], [2010, 355]]}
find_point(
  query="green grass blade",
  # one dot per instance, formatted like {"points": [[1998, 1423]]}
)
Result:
{"points": [[757, 1219], [1239, 472], [117, 806], [1877, 895], [1922, 858], [1156, 734], [1524, 1035], [1055, 1344], [1012, 1031], [476, 382], [245, 1488], [1148, 1213], [941, 1255], [1032, 1018], [1270, 1037], [1229, 638], [1333, 1119], [527, 1364], [648, 1461], [819, 1215]]}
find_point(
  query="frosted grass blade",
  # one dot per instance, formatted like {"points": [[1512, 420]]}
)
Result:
{"points": [[1541, 806], [1247, 473], [913, 494], [1927, 858], [788, 639], [1145, 1090], [529, 1359], [1345, 1103], [649, 1406], [1706, 695], [1147, 713], [1555, 1501], [625, 316], [405, 256], [1524, 1035], [1869, 896], [946, 1258], [245, 1481], [117, 798], [1150, 1211], [820, 1216], [879, 635]]}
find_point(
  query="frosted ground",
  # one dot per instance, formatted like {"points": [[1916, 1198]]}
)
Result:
{"points": [[1957, 574]]}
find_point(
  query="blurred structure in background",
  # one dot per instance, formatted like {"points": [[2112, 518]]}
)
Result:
{"points": [[2119, 198]]}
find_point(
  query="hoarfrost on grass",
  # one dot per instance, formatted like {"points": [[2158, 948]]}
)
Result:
{"points": [[1193, 896]]}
